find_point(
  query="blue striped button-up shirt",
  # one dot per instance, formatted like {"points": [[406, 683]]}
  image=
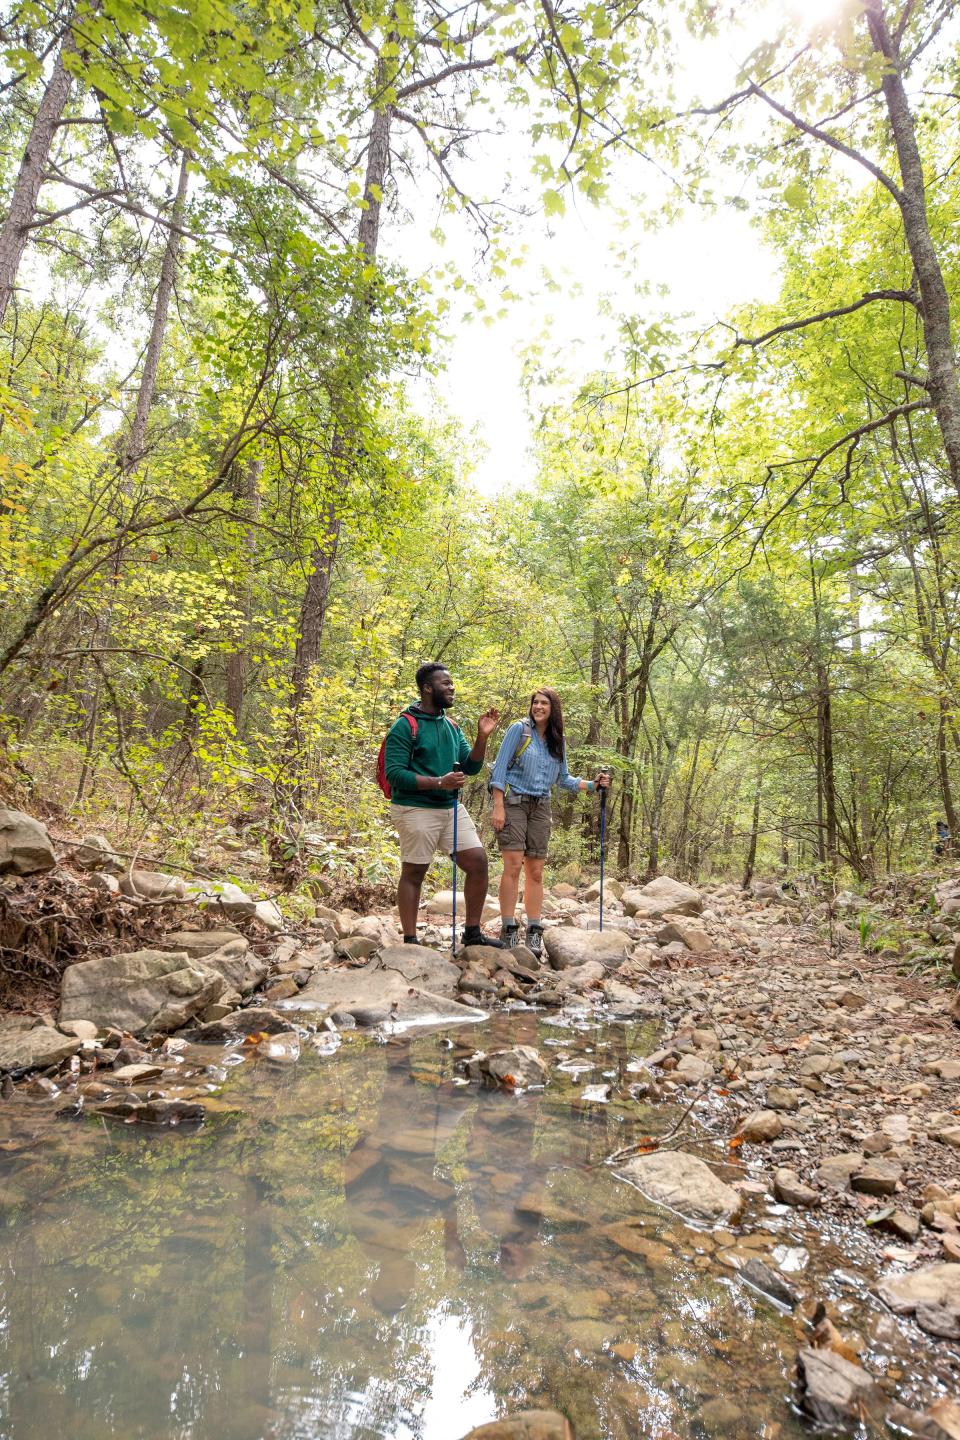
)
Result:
{"points": [[535, 772]]}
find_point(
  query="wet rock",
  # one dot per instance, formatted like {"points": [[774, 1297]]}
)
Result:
{"points": [[391, 987], [625, 1002], [143, 992], [152, 885], [525, 1425], [280, 1049], [25, 1045], [833, 1390], [541, 1205], [255, 1020], [878, 1177], [159, 1111], [931, 1295], [518, 1068], [568, 948], [686, 1184], [758, 1274], [663, 896], [136, 1074], [25, 846], [579, 979], [761, 1125], [790, 1189], [940, 1422]]}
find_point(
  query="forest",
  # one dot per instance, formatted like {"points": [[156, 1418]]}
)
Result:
{"points": [[229, 530]]}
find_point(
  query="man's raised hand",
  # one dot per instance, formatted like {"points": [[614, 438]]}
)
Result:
{"points": [[487, 723]]}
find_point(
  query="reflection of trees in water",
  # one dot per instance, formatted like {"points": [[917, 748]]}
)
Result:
{"points": [[283, 1267]]}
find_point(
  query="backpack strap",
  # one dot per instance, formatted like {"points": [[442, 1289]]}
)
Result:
{"points": [[527, 737]]}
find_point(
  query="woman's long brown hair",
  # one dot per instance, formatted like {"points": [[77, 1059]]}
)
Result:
{"points": [[554, 735]]}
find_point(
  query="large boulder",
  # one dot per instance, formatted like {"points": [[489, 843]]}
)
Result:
{"points": [[26, 1045], [440, 907], [95, 853], [200, 943], [524, 1425], [390, 987], [568, 947], [147, 992], [685, 1184], [427, 968], [25, 847], [663, 896]]}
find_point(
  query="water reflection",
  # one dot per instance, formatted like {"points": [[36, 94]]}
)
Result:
{"points": [[359, 1247]]}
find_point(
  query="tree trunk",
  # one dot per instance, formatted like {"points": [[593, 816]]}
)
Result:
{"points": [[238, 662], [943, 770], [935, 303], [136, 440], [825, 733], [16, 228], [316, 597], [754, 834]]}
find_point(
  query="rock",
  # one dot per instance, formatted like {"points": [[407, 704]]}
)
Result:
{"points": [[624, 1001], [27, 1045], [768, 1282], [580, 979], [255, 1020], [940, 1422], [359, 947], [240, 967], [661, 897], [835, 1171], [270, 915], [686, 1184], [878, 1177], [391, 987], [441, 906], [150, 1112], [25, 846], [280, 1049], [152, 885], [567, 947], [779, 1097], [694, 939], [197, 944], [96, 853], [82, 1029], [143, 992], [285, 989], [612, 890], [692, 1070], [932, 1295], [899, 1222], [955, 961], [136, 1074], [790, 1189], [525, 1425], [107, 884], [517, 1068], [761, 1125], [833, 1390]]}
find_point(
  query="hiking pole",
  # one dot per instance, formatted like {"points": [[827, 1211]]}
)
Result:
{"points": [[603, 842], [456, 812]]}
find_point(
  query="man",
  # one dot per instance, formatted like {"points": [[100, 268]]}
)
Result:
{"points": [[426, 771]]}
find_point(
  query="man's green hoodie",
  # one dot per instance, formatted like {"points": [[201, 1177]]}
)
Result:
{"points": [[439, 747]]}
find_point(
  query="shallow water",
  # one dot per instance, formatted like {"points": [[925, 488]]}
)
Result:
{"points": [[362, 1246]]}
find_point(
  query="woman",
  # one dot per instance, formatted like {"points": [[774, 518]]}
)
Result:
{"points": [[532, 759]]}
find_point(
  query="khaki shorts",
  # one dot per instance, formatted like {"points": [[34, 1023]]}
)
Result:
{"points": [[423, 832], [528, 825]]}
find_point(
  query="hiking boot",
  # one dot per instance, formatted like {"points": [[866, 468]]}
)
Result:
{"points": [[510, 934], [534, 940], [473, 935]]}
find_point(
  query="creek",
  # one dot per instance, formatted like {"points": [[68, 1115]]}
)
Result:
{"points": [[363, 1245]]}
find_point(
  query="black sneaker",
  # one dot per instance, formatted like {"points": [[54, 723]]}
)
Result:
{"points": [[473, 935], [534, 940], [510, 934]]}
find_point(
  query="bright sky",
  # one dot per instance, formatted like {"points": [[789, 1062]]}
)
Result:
{"points": [[709, 261]]}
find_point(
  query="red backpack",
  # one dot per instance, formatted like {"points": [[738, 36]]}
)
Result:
{"points": [[382, 780]]}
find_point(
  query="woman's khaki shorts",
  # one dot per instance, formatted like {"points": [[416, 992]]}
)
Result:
{"points": [[423, 832], [528, 825]]}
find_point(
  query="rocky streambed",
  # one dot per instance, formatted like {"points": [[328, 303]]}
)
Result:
{"points": [[711, 1168]]}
